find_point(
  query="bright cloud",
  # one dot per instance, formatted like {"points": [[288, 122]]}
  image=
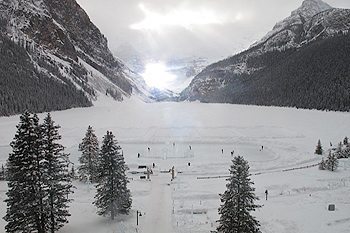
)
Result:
{"points": [[177, 17], [157, 75]]}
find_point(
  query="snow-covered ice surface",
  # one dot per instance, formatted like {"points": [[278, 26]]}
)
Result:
{"points": [[297, 199]]}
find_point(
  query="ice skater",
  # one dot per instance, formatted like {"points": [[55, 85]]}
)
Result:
{"points": [[266, 193], [138, 155]]}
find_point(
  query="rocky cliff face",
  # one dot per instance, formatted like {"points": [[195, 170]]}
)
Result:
{"points": [[232, 80], [64, 45]]}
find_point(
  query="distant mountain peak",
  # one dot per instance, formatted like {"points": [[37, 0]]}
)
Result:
{"points": [[301, 62], [310, 8], [307, 10]]}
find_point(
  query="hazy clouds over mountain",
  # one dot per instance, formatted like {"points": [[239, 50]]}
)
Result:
{"points": [[225, 27]]}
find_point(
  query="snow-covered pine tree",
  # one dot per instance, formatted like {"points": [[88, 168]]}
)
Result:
{"points": [[57, 181], [322, 165], [319, 149], [89, 157], [339, 147], [346, 152], [2, 172], [238, 201], [332, 161], [346, 141], [112, 197], [72, 173], [25, 207]]}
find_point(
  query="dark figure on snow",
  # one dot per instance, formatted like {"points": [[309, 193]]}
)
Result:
{"points": [[190, 147], [189, 164], [222, 151], [232, 152], [149, 149], [173, 143], [266, 193], [262, 147], [138, 155], [153, 165]]}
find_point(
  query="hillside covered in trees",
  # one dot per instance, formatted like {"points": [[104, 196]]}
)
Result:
{"points": [[312, 77], [23, 87], [302, 62], [53, 57]]}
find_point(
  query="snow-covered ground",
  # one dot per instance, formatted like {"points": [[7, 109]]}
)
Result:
{"points": [[297, 201]]}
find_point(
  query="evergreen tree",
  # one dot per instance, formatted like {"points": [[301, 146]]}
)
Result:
{"points": [[339, 147], [238, 201], [57, 181], [2, 172], [346, 141], [346, 152], [113, 197], [332, 161], [88, 160], [322, 165], [72, 173], [319, 149], [25, 195]]}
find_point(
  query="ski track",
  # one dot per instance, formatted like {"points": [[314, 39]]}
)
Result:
{"points": [[158, 216]]}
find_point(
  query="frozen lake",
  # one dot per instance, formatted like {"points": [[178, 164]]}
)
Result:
{"points": [[204, 136]]}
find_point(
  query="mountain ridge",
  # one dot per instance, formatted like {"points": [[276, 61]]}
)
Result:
{"points": [[223, 80], [65, 46]]}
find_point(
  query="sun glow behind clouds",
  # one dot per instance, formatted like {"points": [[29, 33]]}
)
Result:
{"points": [[178, 17], [157, 75]]}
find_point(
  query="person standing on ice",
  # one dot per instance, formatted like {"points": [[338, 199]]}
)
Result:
{"points": [[190, 147], [266, 193], [222, 151], [138, 155]]}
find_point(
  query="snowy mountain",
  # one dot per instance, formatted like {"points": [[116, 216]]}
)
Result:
{"points": [[289, 31], [184, 68], [65, 49], [302, 62], [131, 57]]}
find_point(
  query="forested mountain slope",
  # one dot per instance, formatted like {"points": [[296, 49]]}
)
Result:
{"points": [[53, 57], [302, 62]]}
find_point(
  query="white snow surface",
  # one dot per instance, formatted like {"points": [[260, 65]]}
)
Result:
{"points": [[297, 201]]}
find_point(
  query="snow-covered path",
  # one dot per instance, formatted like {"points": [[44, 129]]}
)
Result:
{"points": [[158, 207]]}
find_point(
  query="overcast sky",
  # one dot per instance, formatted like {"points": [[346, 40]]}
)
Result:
{"points": [[176, 28]]}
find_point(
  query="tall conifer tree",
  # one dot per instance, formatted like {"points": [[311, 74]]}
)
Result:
{"points": [[238, 201], [113, 197], [88, 160], [57, 181], [319, 150], [25, 194], [38, 178]]}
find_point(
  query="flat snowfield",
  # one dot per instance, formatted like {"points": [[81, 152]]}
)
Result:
{"points": [[197, 139]]}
